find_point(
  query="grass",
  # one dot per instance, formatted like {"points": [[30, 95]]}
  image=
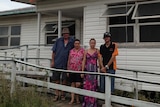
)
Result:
{"points": [[142, 95], [22, 98]]}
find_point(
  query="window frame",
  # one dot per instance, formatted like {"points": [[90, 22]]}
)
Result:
{"points": [[146, 24], [124, 25], [136, 30], [9, 36], [144, 17], [70, 23], [116, 15]]}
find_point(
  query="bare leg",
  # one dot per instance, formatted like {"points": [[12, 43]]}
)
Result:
{"points": [[62, 92], [56, 92], [72, 94], [78, 84]]}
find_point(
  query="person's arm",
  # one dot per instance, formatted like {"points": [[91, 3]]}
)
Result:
{"points": [[53, 54], [83, 63], [102, 68], [68, 63], [52, 61], [115, 53]]}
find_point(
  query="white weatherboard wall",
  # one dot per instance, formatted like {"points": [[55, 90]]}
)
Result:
{"points": [[141, 59], [94, 26]]}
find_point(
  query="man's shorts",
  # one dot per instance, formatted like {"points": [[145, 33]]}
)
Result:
{"points": [[59, 76]]}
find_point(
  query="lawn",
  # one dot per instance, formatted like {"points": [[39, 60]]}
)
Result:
{"points": [[22, 98]]}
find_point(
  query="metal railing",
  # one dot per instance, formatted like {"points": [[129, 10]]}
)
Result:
{"points": [[105, 96]]}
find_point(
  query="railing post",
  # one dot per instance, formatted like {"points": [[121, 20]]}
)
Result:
{"points": [[25, 57], [107, 91], [20, 65], [48, 78], [13, 77], [5, 58], [136, 86], [37, 56]]}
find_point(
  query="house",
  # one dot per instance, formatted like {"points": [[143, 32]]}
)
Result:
{"points": [[134, 25]]}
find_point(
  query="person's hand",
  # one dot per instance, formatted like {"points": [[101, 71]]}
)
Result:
{"points": [[67, 74], [82, 75], [103, 69], [52, 64]]}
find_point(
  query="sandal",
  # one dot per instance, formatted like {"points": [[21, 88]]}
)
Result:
{"points": [[71, 102], [78, 102], [56, 98], [63, 98]]}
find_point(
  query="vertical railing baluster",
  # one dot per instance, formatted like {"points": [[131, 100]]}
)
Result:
{"points": [[107, 91]]}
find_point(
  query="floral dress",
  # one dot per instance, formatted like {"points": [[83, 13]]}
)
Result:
{"points": [[75, 64], [90, 81], [76, 58]]}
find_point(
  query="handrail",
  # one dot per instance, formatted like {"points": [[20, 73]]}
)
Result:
{"points": [[26, 58], [92, 73], [16, 47], [107, 96], [138, 71]]}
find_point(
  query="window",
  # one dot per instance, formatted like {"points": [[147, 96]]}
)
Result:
{"points": [[121, 20], [51, 30], [10, 35], [121, 10], [122, 26], [122, 34], [147, 10], [150, 33], [141, 25]]}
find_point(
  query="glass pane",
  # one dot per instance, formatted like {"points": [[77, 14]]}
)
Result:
{"points": [[3, 30], [121, 20], [50, 27], [150, 33], [150, 9], [51, 39], [15, 41], [72, 29], [4, 41], [15, 30], [119, 34], [119, 10]]}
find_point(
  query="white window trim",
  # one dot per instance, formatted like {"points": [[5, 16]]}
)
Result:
{"points": [[9, 36], [144, 17], [116, 15]]}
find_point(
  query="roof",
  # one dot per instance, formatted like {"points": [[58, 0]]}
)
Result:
{"points": [[26, 1], [18, 11]]}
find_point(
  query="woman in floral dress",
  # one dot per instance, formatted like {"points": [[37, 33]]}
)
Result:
{"points": [[75, 63], [89, 64]]}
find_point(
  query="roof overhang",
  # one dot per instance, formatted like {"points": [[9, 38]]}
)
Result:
{"points": [[33, 2], [28, 10]]}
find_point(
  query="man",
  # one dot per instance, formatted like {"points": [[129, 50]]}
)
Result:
{"points": [[60, 54], [109, 51]]}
